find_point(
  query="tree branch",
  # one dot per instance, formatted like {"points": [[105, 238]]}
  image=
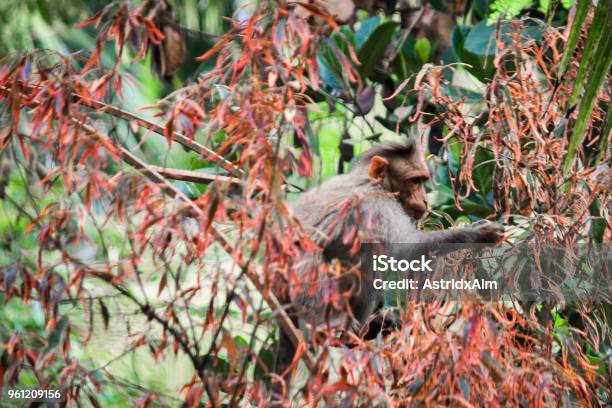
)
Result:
{"points": [[183, 140], [152, 174], [194, 176], [393, 52]]}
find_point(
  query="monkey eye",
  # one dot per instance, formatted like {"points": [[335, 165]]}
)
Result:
{"points": [[418, 179]]}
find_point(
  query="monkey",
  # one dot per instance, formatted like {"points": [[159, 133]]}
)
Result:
{"points": [[389, 182]]}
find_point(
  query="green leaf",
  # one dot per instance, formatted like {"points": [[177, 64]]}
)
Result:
{"points": [[327, 68], [581, 12], [471, 207], [480, 67], [442, 196], [219, 366], [407, 61], [465, 388], [313, 140], [480, 8], [603, 143], [344, 38], [598, 224], [266, 357], [457, 93], [374, 48], [439, 5], [481, 38], [508, 9], [598, 69], [443, 200], [483, 170], [595, 33], [366, 29], [423, 49], [44, 11]]}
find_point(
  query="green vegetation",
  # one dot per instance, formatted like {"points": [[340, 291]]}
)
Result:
{"points": [[128, 283]]}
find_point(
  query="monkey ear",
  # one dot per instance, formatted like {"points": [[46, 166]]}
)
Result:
{"points": [[377, 169]]}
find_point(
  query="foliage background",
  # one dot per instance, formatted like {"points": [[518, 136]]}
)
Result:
{"points": [[456, 78]]}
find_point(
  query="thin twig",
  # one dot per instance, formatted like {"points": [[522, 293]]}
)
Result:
{"points": [[194, 176], [284, 321], [400, 44], [183, 140], [279, 312]]}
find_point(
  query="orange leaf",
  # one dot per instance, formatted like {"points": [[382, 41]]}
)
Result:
{"points": [[213, 50], [229, 344]]}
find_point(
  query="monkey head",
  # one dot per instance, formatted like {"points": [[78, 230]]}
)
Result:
{"points": [[401, 170]]}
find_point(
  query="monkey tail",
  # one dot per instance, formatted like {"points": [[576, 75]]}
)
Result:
{"points": [[284, 357]]}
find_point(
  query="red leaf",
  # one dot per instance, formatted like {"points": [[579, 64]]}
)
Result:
{"points": [[145, 402], [219, 45], [154, 34], [96, 17], [169, 130], [162, 283]]}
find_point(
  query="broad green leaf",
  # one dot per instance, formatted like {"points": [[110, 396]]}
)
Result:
{"points": [[508, 9], [374, 48], [454, 149], [366, 29], [481, 38], [313, 140], [327, 68], [474, 208], [423, 49], [483, 170], [443, 195], [480, 67], [440, 6], [407, 61], [480, 8], [458, 93], [344, 38]]}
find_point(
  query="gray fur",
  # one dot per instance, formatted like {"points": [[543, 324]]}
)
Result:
{"points": [[318, 209]]}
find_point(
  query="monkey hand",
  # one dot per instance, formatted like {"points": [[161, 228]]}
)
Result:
{"points": [[383, 323], [489, 233]]}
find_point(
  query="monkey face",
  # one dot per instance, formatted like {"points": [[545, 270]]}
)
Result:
{"points": [[409, 182], [414, 197], [404, 177]]}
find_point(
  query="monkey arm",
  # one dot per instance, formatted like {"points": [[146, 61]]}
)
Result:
{"points": [[441, 242], [484, 234]]}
